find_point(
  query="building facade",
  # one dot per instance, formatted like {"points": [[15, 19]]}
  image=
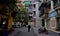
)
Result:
{"points": [[6, 18], [33, 6], [7, 13], [50, 20]]}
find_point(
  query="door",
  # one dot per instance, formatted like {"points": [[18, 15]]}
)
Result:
{"points": [[58, 23], [4, 23], [43, 23]]}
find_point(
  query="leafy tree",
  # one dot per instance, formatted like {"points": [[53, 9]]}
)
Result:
{"points": [[22, 13]]}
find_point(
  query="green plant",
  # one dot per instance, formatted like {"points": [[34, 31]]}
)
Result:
{"points": [[22, 13]]}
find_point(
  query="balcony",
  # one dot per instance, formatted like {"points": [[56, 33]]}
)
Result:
{"points": [[56, 3]]}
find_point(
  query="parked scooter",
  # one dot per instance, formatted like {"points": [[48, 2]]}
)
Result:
{"points": [[43, 30]]}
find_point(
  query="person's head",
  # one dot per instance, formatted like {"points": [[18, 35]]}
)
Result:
{"points": [[47, 7]]}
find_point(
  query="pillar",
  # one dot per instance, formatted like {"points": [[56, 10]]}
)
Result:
{"points": [[37, 15]]}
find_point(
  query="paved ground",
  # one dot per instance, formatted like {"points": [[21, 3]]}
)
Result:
{"points": [[41, 34], [23, 32]]}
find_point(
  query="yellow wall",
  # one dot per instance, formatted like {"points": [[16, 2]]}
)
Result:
{"points": [[10, 22]]}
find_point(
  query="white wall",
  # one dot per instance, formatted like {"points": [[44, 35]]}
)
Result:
{"points": [[38, 22], [52, 6]]}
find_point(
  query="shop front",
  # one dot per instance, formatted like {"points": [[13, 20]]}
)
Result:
{"points": [[6, 19]]}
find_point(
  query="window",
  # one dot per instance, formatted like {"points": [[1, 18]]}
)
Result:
{"points": [[34, 5], [58, 12], [55, 2], [26, 5], [4, 23], [43, 23], [30, 17], [34, 13]]}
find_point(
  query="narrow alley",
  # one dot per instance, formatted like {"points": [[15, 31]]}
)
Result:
{"points": [[24, 32], [18, 16]]}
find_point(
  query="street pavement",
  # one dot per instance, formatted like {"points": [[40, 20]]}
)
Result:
{"points": [[41, 34], [24, 32]]}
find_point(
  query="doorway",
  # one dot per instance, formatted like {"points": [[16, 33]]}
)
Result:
{"points": [[58, 23], [4, 23], [43, 23]]}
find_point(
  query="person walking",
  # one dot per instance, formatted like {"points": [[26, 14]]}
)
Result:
{"points": [[29, 27]]}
